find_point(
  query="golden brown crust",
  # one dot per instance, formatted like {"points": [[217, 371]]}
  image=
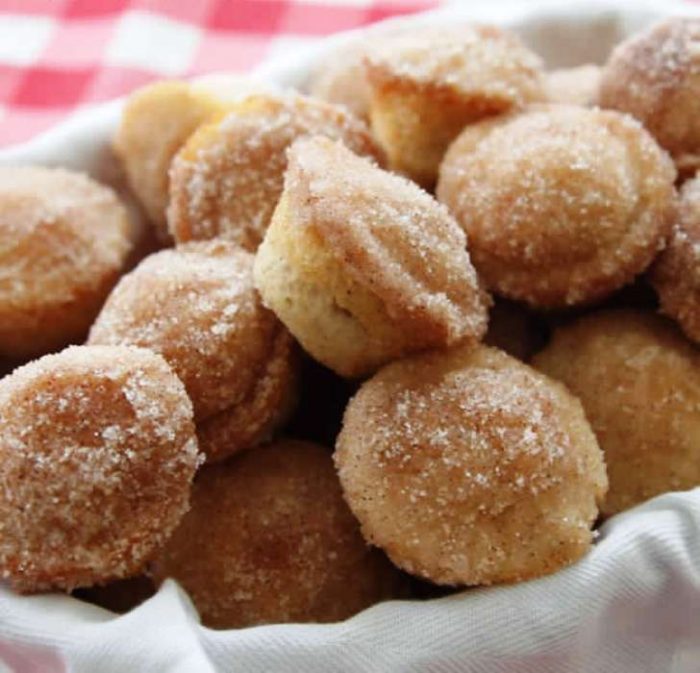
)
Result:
{"points": [[97, 452], [362, 266], [196, 306], [389, 236], [574, 86], [228, 177], [156, 121], [676, 274], [269, 539], [64, 239], [265, 408], [468, 467], [483, 64], [427, 85], [562, 205], [655, 76], [639, 383]]}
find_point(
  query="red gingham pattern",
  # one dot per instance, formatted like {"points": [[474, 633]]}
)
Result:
{"points": [[57, 55]]}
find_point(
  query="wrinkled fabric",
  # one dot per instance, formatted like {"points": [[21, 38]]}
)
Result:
{"points": [[631, 605]]}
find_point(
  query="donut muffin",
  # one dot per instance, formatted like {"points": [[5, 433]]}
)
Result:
{"points": [[228, 177], [363, 266], [639, 383], [676, 274], [197, 307], [97, 454], [426, 85], [655, 76], [269, 539], [156, 121], [562, 205], [64, 240], [468, 467]]}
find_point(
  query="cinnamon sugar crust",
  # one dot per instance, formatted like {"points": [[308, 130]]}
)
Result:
{"points": [[64, 239], [387, 262], [655, 76], [270, 540], [228, 177], [427, 85], [638, 380], [676, 274], [468, 467], [97, 453], [156, 121], [562, 204], [196, 305]]}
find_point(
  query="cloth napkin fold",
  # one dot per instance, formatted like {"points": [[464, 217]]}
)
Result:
{"points": [[631, 605]]}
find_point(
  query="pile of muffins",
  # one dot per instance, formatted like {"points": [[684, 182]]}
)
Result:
{"points": [[443, 243]]}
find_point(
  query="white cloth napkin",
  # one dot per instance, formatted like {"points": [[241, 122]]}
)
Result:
{"points": [[632, 605]]}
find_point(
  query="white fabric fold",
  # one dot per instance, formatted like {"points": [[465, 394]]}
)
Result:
{"points": [[631, 605]]}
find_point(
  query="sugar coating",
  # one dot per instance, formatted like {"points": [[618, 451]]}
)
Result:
{"points": [[562, 204], [468, 467], [676, 273], [655, 76], [156, 121], [426, 85], [228, 177], [379, 263], [639, 382], [64, 239], [471, 59], [196, 306], [574, 86], [97, 452], [269, 540], [389, 235]]}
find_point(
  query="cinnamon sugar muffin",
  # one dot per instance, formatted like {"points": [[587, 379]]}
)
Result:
{"points": [[562, 205], [227, 178], [269, 539], [574, 86], [156, 121], [97, 453], [363, 266], [468, 467], [197, 307], [64, 240], [426, 85], [655, 76], [639, 383], [676, 274]]}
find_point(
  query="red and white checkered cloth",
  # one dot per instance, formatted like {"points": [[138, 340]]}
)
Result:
{"points": [[58, 55]]}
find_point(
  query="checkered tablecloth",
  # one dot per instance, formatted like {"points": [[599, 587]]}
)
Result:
{"points": [[57, 55]]}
